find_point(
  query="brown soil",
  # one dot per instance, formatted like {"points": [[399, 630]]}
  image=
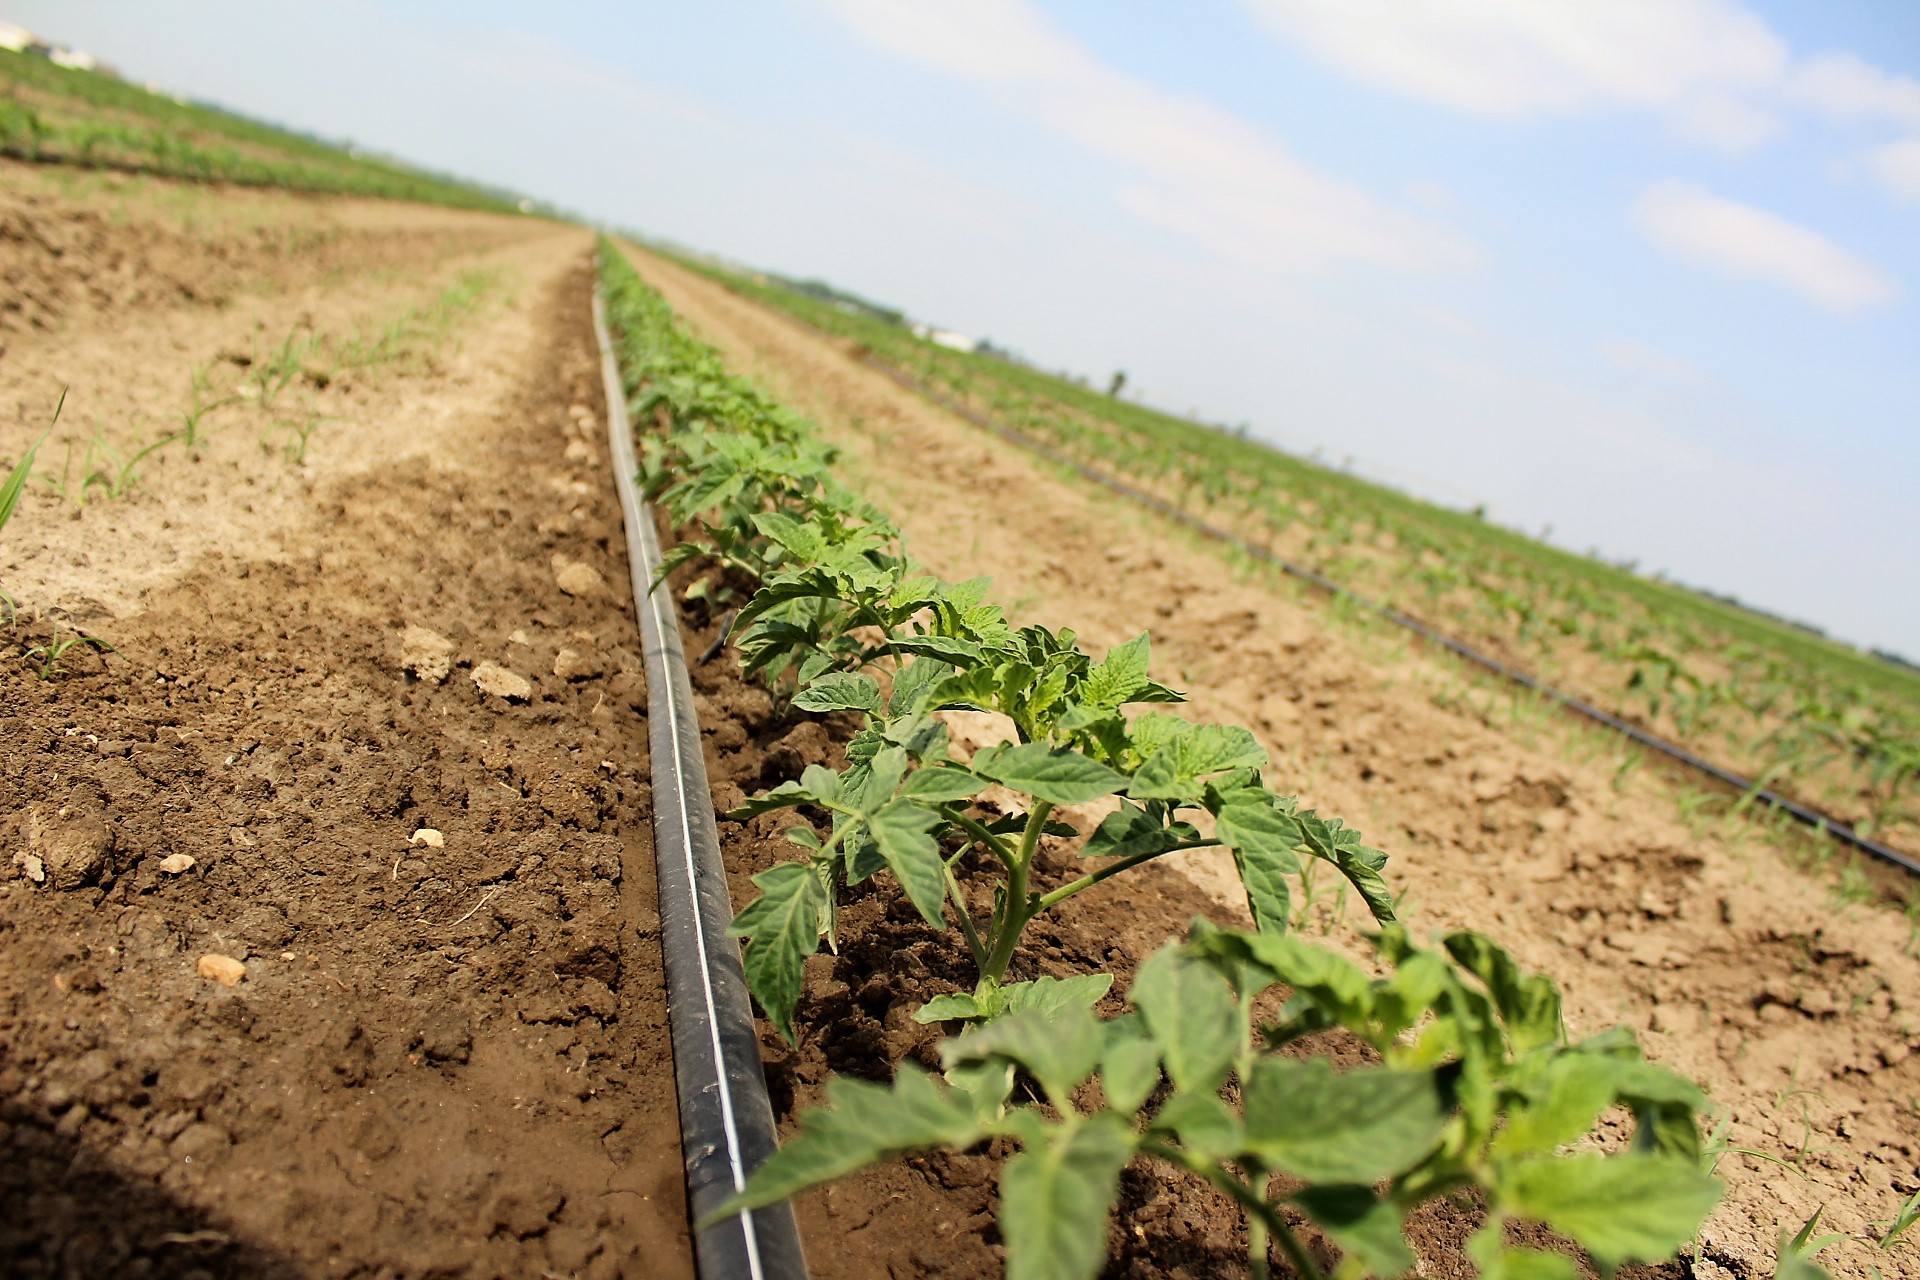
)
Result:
{"points": [[442, 1059], [1800, 1012]]}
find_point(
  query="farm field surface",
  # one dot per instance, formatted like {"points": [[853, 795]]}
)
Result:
{"points": [[1778, 702], [444, 1058], [1789, 1004], [331, 942]]}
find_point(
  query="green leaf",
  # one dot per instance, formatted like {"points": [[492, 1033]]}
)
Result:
{"points": [[943, 784], [1630, 1208], [1130, 830], [960, 653], [1050, 995], [1361, 1223], [1262, 840], [1053, 774], [782, 928], [1316, 973], [913, 683], [1059, 1048], [1355, 1126], [861, 1124], [1487, 1248], [955, 1004], [1560, 1104], [1055, 1197], [1129, 1065], [1193, 1016], [1204, 1124], [840, 691], [1119, 676], [1158, 778], [901, 830], [1528, 1003]]}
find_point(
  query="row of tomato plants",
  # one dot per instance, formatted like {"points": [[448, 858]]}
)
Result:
{"points": [[1476, 1085]]}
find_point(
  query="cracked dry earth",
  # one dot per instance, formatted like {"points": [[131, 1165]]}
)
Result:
{"points": [[370, 746], [1800, 1012]]}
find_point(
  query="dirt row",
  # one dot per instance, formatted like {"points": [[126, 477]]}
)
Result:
{"points": [[1798, 1008], [371, 743]]}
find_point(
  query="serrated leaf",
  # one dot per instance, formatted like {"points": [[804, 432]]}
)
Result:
{"points": [[1214, 748], [913, 683], [1362, 1224], [1158, 778], [943, 784], [949, 649], [1631, 1208], [1193, 1016], [1055, 1198], [1262, 840], [900, 829], [1050, 995], [1059, 1048], [1119, 676], [784, 796], [1053, 774], [782, 928], [1356, 1126], [861, 1124], [840, 691]]}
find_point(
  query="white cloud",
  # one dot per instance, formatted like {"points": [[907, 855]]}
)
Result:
{"points": [[1202, 171], [1637, 357], [1896, 166], [1742, 241], [1843, 87], [1694, 61]]}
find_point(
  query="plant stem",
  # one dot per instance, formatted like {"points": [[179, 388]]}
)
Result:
{"points": [[1113, 869], [1018, 910], [966, 921], [1250, 1200], [978, 830]]}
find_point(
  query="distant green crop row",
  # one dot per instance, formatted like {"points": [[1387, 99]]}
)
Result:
{"points": [[1835, 726], [64, 115]]}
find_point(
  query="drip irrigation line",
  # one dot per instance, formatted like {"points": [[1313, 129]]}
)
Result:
{"points": [[1747, 787], [726, 1120]]}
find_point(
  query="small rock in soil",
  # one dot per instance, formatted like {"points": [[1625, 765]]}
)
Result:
{"points": [[176, 863], [577, 578], [502, 683], [69, 850], [572, 664], [428, 654], [224, 970], [429, 837]]}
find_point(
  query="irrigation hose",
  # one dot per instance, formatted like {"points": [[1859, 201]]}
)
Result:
{"points": [[726, 1120], [1747, 787]]}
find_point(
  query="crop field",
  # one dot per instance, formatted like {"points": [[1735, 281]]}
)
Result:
{"points": [[1832, 726], [1107, 905]]}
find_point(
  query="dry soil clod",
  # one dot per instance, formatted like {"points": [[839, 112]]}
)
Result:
{"points": [[224, 970], [577, 578], [495, 679], [427, 654]]}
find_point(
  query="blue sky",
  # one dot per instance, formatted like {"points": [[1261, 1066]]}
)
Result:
{"points": [[1645, 271]]}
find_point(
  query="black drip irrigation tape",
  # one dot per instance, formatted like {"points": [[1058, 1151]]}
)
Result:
{"points": [[726, 1121], [1748, 788]]}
